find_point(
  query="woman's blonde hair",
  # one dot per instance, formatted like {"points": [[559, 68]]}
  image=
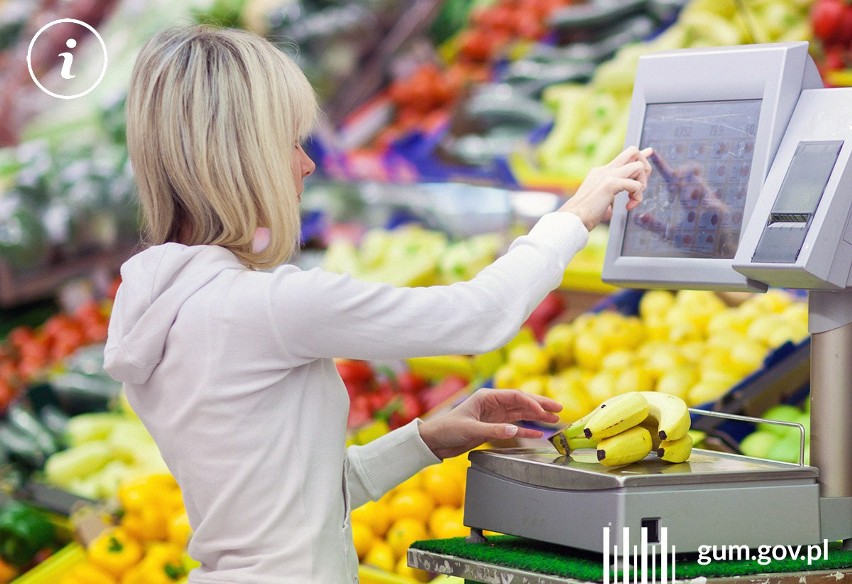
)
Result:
{"points": [[213, 118]]}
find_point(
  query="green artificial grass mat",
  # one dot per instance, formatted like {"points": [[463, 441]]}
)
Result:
{"points": [[545, 558]]}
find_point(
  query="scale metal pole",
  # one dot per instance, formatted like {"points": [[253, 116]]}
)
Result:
{"points": [[830, 324]]}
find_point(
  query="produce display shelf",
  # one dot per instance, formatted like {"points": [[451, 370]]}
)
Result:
{"points": [[52, 569]]}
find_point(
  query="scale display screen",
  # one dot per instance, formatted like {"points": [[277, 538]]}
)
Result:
{"points": [[695, 200]]}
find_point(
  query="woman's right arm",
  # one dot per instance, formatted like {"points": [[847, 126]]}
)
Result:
{"points": [[320, 314]]}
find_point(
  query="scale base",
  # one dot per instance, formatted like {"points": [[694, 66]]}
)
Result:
{"points": [[744, 502]]}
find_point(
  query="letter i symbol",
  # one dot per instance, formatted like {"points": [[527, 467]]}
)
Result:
{"points": [[67, 58]]}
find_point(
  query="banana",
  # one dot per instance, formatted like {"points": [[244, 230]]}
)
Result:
{"points": [[616, 415], [560, 440], [675, 450], [669, 412], [560, 443], [628, 446], [582, 442], [651, 425]]}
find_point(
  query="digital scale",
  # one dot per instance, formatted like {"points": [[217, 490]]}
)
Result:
{"points": [[752, 187]]}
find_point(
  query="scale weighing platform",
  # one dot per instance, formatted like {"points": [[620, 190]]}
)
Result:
{"points": [[553, 498], [752, 188]]}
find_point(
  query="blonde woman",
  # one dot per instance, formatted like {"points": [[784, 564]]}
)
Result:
{"points": [[229, 362]]}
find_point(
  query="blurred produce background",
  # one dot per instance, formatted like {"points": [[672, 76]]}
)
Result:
{"points": [[448, 128]]}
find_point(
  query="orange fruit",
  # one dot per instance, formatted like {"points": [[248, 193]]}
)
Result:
{"points": [[412, 483], [406, 571], [363, 537], [375, 514], [442, 482], [415, 504], [380, 556], [448, 522], [403, 532]]}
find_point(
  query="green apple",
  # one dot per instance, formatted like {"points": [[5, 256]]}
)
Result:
{"points": [[758, 444]]}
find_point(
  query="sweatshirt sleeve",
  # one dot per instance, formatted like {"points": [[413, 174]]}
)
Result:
{"points": [[378, 466], [319, 314]]}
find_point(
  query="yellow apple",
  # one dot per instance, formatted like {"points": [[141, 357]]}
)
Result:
{"points": [[589, 350], [655, 303], [618, 360], [678, 381], [529, 359], [601, 386], [559, 343], [536, 385], [635, 378]]}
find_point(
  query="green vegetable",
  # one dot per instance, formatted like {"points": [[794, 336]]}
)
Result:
{"points": [[21, 447], [78, 462], [24, 531]]}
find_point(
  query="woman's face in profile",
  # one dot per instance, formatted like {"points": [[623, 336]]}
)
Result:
{"points": [[301, 166]]}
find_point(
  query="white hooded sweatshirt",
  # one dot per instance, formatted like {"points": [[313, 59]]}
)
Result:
{"points": [[231, 371]]}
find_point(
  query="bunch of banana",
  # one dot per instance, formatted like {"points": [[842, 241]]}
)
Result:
{"points": [[627, 427]]}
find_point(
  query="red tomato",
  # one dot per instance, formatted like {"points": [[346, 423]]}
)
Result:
{"points": [[113, 288], [95, 332], [354, 370], [20, 335], [433, 396], [359, 413], [476, 45], [832, 21], [409, 382], [408, 408]]}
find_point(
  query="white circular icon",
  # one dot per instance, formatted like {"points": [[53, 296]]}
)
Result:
{"points": [[70, 43]]}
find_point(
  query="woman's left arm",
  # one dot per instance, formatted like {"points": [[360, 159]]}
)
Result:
{"points": [[487, 415]]}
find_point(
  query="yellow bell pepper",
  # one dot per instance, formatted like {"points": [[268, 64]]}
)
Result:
{"points": [[114, 551], [162, 564], [179, 529], [87, 573], [146, 524]]}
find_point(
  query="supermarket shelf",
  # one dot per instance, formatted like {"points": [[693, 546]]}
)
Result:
{"points": [[17, 288]]}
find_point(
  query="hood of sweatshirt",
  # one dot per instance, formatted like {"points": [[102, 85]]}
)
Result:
{"points": [[155, 283]]}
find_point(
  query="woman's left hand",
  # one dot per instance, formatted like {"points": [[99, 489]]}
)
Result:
{"points": [[486, 415]]}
